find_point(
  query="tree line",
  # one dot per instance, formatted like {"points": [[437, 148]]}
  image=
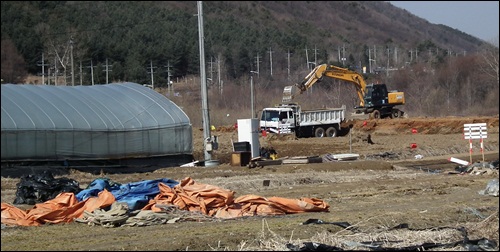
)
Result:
{"points": [[87, 42]]}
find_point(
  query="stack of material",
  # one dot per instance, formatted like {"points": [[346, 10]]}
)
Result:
{"points": [[339, 157]]}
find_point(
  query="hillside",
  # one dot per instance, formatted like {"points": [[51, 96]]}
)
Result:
{"points": [[134, 38]]}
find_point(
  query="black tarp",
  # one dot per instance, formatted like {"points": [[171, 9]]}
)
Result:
{"points": [[40, 187]]}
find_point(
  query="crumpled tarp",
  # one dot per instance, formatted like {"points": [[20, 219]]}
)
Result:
{"points": [[186, 195], [215, 201], [40, 187], [63, 208], [135, 194]]}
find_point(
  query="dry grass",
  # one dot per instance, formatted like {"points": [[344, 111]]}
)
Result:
{"points": [[378, 236]]}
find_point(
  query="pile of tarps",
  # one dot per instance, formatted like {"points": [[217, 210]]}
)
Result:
{"points": [[154, 195]]}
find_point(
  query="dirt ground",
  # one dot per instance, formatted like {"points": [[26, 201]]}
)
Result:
{"points": [[386, 186]]}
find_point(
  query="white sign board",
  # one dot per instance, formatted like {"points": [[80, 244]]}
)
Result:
{"points": [[475, 131]]}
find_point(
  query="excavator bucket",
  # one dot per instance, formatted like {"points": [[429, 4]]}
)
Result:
{"points": [[287, 94]]}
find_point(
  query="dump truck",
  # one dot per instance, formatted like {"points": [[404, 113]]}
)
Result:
{"points": [[288, 118]]}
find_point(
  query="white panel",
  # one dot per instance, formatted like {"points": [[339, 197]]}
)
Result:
{"points": [[248, 131]]}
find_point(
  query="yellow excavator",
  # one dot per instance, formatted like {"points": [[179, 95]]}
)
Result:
{"points": [[375, 100]]}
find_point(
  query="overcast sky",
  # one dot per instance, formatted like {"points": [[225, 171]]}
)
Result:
{"points": [[479, 18]]}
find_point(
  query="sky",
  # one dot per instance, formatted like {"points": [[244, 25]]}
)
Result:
{"points": [[479, 18]]}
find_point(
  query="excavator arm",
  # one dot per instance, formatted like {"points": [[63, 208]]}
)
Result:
{"points": [[337, 73]]}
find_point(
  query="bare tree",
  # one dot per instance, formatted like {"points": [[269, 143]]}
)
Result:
{"points": [[490, 56]]}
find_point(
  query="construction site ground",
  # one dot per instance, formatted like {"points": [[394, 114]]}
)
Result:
{"points": [[403, 176]]}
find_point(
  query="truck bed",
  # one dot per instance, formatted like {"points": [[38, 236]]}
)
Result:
{"points": [[322, 116]]}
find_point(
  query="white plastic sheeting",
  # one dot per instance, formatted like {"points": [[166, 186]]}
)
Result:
{"points": [[124, 120]]}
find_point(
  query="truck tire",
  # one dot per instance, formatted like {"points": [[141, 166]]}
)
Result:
{"points": [[375, 114], [319, 132], [395, 113], [331, 132]]}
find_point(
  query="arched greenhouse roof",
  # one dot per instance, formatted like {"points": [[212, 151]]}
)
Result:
{"points": [[112, 107]]}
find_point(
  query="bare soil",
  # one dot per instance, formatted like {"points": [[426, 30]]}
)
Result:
{"points": [[385, 187]]}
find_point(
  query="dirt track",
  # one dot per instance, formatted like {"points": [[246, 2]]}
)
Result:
{"points": [[385, 187]]}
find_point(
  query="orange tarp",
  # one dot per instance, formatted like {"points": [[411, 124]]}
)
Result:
{"points": [[63, 208], [218, 202], [187, 195]]}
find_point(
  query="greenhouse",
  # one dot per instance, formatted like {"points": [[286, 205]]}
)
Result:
{"points": [[119, 121]]}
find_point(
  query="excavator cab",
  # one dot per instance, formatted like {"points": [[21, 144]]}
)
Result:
{"points": [[375, 95]]}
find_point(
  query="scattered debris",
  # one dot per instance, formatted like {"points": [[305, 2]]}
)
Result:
{"points": [[491, 188], [369, 139], [259, 162], [384, 155], [191, 164], [478, 168]]}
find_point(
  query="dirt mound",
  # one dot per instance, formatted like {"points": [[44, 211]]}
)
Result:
{"points": [[424, 125]]}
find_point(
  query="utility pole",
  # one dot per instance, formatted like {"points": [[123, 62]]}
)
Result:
{"points": [[271, 60], [288, 67], [343, 55], [72, 68], [42, 64], [369, 61], [338, 53], [107, 70], [211, 70], [92, 71], [55, 71], [251, 92], [81, 73], [218, 74], [395, 57], [258, 69], [315, 54], [169, 85], [48, 76], [315, 64], [307, 60], [388, 57], [203, 80], [152, 80]]}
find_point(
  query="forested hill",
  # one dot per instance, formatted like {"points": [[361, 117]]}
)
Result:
{"points": [[131, 36]]}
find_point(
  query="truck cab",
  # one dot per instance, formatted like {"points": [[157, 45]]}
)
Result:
{"points": [[279, 119]]}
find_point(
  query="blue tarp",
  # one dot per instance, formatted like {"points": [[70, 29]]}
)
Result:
{"points": [[136, 194]]}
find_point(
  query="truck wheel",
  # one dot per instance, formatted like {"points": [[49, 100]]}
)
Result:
{"points": [[319, 132], [396, 113], [331, 132], [375, 114]]}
